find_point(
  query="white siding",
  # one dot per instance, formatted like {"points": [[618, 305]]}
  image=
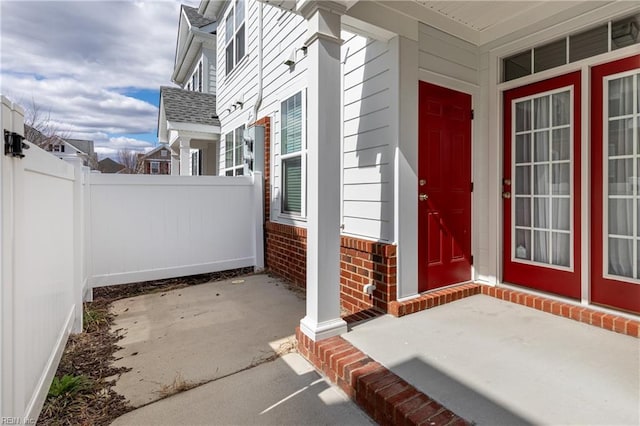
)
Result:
{"points": [[368, 142], [283, 32], [242, 82], [447, 55], [209, 71]]}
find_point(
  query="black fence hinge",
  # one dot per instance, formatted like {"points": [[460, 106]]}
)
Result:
{"points": [[13, 144]]}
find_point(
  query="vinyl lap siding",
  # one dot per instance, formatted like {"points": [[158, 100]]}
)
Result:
{"points": [[241, 83], [283, 31], [368, 141], [448, 55]]}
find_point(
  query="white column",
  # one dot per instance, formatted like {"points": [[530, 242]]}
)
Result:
{"points": [[185, 156], [175, 164], [322, 318]]}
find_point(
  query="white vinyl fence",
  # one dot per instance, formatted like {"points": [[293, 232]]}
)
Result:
{"points": [[149, 227], [64, 231]]}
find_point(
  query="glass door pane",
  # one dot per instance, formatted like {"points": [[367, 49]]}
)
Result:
{"points": [[622, 167], [542, 172]]}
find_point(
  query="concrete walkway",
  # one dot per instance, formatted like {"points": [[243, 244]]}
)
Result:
{"points": [[497, 363], [225, 337], [287, 391]]}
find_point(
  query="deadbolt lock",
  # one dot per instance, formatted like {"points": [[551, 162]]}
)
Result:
{"points": [[423, 197]]}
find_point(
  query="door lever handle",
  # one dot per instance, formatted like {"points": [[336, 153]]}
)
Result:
{"points": [[423, 197]]}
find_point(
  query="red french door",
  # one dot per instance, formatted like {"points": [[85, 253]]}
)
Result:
{"points": [[615, 185], [541, 186], [444, 187]]}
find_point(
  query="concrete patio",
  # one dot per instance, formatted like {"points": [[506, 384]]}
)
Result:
{"points": [[489, 361], [497, 363], [229, 340]]}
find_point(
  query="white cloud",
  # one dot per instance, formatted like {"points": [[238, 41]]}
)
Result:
{"points": [[110, 147], [79, 59]]}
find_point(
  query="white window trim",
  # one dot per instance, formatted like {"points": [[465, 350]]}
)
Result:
{"points": [[151, 164], [572, 230], [225, 43], [235, 167], [605, 183], [284, 216]]}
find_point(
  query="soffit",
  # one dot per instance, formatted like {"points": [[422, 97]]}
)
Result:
{"points": [[481, 22]]}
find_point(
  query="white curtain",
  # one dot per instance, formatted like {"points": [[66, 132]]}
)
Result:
{"points": [[543, 125], [622, 177]]}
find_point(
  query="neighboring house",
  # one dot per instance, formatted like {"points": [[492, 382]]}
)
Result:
{"points": [[187, 119], [158, 161], [108, 165], [85, 149], [65, 147], [417, 145]]}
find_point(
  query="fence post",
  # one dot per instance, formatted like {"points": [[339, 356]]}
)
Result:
{"points": [[258, 214], [12, 119], [87, 295], [78, 237]]}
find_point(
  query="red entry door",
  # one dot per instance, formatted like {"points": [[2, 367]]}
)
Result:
{"points": [[541, 185], [444, 187], [615, 185]]}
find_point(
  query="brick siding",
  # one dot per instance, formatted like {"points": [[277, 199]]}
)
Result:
{"points": [[266, 122], [363, 262], [286, 252]]}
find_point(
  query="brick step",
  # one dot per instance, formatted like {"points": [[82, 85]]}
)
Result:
{"points": [[382, 394]]}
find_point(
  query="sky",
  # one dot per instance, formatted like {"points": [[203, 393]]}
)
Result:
{"points": [[93, 67]]}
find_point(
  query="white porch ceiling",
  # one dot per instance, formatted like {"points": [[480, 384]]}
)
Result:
{"points": [[481, 22]]}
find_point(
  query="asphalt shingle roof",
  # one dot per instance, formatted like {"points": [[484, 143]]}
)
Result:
{"points": [[185, 106], [195, 19]]}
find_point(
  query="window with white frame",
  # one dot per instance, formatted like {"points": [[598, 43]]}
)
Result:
{"points": [[621, 181], [195, 164], [234, 35], [293, 155], [234, 152], [591, 42], [154, 168]]}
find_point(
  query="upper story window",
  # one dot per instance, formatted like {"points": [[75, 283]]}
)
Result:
{"points": [[293, 155], [234, 152], [234, 35], [594, 41]]}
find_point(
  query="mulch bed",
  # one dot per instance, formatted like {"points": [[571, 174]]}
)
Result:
{"points": [[90, 354]]}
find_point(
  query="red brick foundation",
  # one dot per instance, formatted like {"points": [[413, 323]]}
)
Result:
{"points": [[363, 262], [286, 252], [383, 395], [582, 314]]}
